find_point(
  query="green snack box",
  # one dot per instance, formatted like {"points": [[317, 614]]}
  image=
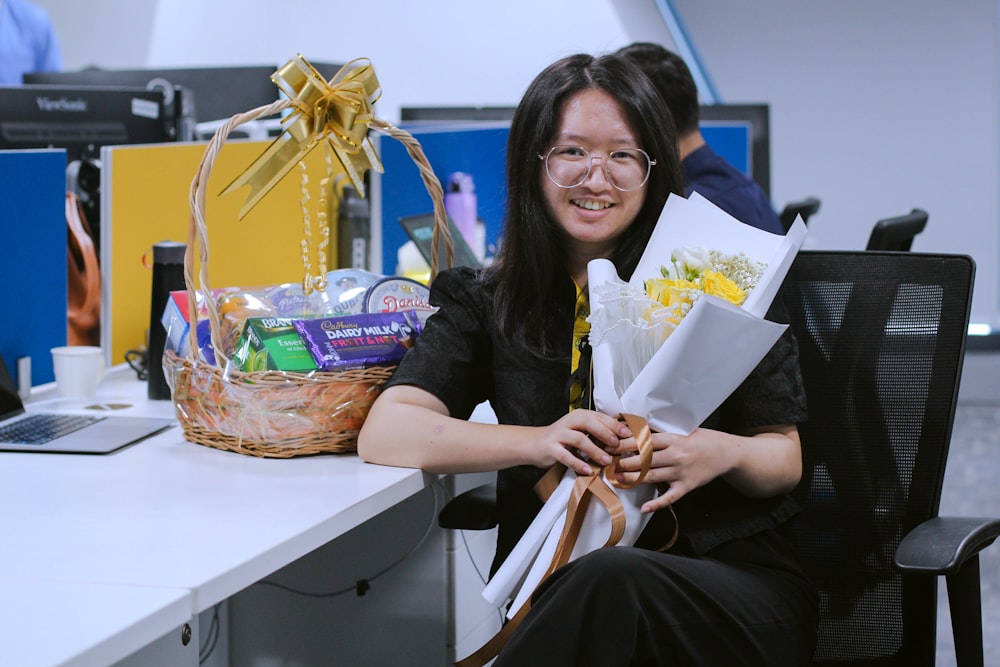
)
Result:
{"points": [[272, 343]]}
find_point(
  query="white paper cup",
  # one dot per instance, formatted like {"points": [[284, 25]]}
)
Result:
{"points": [[78, 369]]}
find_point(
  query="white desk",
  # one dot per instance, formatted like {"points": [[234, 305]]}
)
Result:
{"points": [[45, 623], [166, 513]]}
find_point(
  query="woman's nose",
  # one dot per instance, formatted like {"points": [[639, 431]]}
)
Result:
{"points": [[597, 166]]}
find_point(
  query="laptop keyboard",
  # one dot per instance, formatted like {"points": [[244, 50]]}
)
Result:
{"points": [[37, 429]]}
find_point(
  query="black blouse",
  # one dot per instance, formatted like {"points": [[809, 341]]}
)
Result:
{"points": [[460, 358]]}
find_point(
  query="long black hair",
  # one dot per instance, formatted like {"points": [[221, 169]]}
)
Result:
{"points": [[531, 273]]}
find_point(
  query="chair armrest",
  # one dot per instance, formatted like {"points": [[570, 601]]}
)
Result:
{"points": [[475, 509], [942, 545]]}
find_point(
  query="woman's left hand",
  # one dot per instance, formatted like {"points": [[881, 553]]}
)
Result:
{"points": [[762, 462], [685, 462]]}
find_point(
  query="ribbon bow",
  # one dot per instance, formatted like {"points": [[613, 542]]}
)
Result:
{"points": [[335, 113]]}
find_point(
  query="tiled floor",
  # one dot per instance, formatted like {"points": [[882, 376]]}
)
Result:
{"points": [[972, 488]]}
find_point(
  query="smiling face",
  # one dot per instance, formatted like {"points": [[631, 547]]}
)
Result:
{"points": [[593, 214]]}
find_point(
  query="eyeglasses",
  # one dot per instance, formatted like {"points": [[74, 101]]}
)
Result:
{"points": [[626, 169]]}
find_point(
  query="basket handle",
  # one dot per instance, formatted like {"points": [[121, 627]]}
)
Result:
{"points": [[442, 233], [198, 230]]}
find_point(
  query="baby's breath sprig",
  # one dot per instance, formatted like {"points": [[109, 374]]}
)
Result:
{"points": [[739, 268]]}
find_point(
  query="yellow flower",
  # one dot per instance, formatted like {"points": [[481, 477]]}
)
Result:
{"points": [[670, 292], [674, 294], [716, 284], [696, 271]]}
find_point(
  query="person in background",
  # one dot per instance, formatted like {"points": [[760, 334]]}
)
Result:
{"points": [[705, 172], [591, 159], [28, 42]]}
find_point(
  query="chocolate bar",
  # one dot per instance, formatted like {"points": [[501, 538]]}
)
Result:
{"points": [[358, 341]]}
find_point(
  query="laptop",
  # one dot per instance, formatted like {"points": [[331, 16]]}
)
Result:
{"points": [[420, 229], [65, 432]]}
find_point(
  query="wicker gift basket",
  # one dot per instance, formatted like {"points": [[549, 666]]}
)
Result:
{"points": [[277, 413]]}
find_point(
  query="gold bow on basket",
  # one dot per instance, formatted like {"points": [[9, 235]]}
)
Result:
{"points": [[336, 114], [278, 413]]}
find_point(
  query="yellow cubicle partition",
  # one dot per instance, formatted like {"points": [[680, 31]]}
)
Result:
{"points": [[145, 199]]}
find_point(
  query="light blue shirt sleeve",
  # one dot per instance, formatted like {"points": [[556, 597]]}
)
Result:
{"points": [[28, 42]]}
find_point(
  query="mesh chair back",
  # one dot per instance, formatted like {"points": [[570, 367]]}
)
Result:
{"points": [[881, 338]]}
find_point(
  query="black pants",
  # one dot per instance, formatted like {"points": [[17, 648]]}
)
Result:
{"points": [[746, 603]]}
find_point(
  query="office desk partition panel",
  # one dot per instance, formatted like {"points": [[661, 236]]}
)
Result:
{"points": [[33, 264], [146, 200], [478, 150]]}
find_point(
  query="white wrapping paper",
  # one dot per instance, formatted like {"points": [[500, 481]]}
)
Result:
{"points": [[702, 362]]}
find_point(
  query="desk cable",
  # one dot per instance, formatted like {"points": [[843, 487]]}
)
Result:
{"points": [[361, 586], [212, 639]]}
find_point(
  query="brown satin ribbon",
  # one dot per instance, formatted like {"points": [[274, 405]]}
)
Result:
{"points": [[585, 488]]}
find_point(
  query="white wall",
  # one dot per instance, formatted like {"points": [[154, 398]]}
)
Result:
{"points": [[877, 106], [435, 52]]}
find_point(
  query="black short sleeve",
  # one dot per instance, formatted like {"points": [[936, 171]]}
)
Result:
{"points": [[451, 356]]}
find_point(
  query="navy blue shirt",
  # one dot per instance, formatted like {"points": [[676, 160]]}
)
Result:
{"points": [[708, 174]]}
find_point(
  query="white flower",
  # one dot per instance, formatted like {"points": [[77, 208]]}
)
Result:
{"points": [[687, 263]]}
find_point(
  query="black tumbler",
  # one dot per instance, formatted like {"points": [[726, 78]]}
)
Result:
{"points": [[353, 231], [168, 276]]}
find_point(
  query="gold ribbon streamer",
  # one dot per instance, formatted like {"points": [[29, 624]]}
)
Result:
{"points": [[336, 113], [644, 440], [585, 487]]}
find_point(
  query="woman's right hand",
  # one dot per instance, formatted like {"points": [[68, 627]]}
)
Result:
{"points": [[410, 427], [577, 437]]}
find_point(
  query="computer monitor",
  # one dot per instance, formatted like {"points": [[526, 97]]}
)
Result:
{"points": [[80, 119], [178, 100], [218, 93], [741, 134], [428, 115]]}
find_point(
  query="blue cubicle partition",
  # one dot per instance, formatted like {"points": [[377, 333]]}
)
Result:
{"points": [[479, 150], [33, 265]]}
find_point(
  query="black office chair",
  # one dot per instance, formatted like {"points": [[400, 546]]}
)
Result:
{"points": [[881, 338], [897, 233], [805, 207]]}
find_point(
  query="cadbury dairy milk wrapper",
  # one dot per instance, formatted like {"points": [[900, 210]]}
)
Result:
{"points": [[359, 341]]}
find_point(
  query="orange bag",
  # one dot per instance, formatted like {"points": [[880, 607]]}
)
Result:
{"points": [[83, 307]]}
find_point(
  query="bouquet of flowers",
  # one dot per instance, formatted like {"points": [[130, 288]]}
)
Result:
{"points": [[637, 319], [669, 346]]}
